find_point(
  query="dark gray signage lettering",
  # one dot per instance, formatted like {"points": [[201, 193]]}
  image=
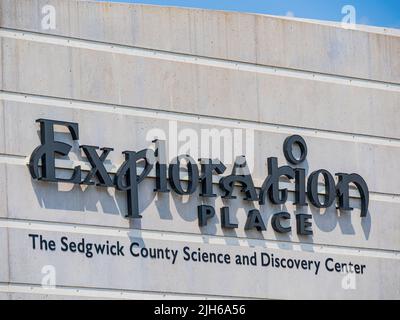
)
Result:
{"points": [[128, 179]]}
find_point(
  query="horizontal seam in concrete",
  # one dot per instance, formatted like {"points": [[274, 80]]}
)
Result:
{"points": [[155, 113], [111, 231], [64, 164], [197, 60], [19, 287]]}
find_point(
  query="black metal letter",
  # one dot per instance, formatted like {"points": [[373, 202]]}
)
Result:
{"points": [[204, 213], [300, 187], [174, 176], [254, 220], [97, 164], [288, 149], [276, 222], [46, 152], [127, 179], [161, 167], [207, 168], [303, 224], [271, 183], [343, 187], [312, 189], [244, 179], [225, 221]]}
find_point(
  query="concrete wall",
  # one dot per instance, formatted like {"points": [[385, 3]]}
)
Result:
{"points": [[121, 70]]}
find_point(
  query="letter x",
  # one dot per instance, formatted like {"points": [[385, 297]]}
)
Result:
{"points": [[97, 164]]}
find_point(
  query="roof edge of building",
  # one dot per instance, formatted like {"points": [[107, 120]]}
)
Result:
{"points": [[330, 23]]}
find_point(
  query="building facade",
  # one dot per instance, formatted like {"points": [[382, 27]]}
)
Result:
{"points": [[286, 132]]}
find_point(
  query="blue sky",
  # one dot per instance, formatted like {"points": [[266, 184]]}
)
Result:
{"points": [[384, 13]]}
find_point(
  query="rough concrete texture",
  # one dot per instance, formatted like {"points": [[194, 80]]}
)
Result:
{"points": [[234, 36], [121, 71]]}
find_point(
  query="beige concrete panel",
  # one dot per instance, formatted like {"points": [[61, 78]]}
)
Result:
{"points": [[5, 296], [121, 71], [378, 281], [260, 39], [31, 296], [375, 163], [3, 175], [174, 86], [1, 64], [25, 292], [3, 191], [327, 106], [2, 126], [4, 256], [106, 207]]}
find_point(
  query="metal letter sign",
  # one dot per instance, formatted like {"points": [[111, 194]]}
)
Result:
{"points": [[46, 152], [137, 166]]}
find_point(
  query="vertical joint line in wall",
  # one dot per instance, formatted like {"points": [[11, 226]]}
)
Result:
{"points": [[6, 193]]}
